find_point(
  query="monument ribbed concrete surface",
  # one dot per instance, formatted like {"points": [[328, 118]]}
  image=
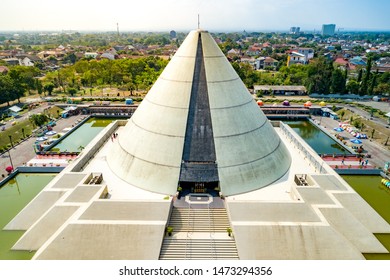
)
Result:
{"points": [[199, 124]]}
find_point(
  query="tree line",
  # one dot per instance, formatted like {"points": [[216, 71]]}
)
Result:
{"points": [[129, 74], [320, 76], [17, 81]]}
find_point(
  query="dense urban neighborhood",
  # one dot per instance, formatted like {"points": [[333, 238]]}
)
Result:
{"points": [[74, 63]]}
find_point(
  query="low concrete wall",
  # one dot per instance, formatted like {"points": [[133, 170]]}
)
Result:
{"points": [[385, 176], [333, 137], [28, 169], [358, 171], [39, 169], [9, 177], [48, 148], [94, 146], [309, 153]]}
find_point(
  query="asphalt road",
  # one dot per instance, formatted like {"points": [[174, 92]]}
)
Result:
{"points": [[24, 152], [366, 115]]}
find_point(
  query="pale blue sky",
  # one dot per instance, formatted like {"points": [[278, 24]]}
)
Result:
{"points": [[181, 15]]}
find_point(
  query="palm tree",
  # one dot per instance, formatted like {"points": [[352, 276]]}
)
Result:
{"points": [[342, 113]]}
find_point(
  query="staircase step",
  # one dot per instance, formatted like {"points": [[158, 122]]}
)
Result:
{"points": [[184, 220]]}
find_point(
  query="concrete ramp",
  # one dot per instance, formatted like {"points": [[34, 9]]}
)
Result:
{"points": [[34, 238], [114, 229], [106, 242], [69, 181], [271, 212], [127, 211], [293, 243], [34, 210], [346, 224], [362, 211], [329, 182], [315, 195], [84, 193]]}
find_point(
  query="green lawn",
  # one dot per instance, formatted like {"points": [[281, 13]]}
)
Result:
{"points": [[53, 112], [15, 132]]}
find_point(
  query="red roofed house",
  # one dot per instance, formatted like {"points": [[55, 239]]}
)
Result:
{"points": [[3, 70]]}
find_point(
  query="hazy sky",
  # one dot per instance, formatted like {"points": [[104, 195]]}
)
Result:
{"points": [[181, 15]]}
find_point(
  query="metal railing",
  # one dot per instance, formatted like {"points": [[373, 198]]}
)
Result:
{"points": [[212, 232], [190, 230]]}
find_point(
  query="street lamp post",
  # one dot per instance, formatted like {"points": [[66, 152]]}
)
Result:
{"points": [[10, 140], [10, 159], [9, 153]]}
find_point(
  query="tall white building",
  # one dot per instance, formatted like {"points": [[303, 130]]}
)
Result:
{"points": [[328, 29], [295, 30]]}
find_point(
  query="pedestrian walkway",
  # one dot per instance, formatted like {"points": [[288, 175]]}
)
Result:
{"points": [[349, 162]]}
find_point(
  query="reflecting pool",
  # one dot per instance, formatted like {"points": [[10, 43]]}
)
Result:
{"points": [[82, 135], [378, 196], [14, 196], [316, 138]]}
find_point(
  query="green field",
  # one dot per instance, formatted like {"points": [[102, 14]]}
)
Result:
{"points": [[16, 133]]}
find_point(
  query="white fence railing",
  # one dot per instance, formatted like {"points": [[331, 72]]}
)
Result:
{"points": [[307, 151]]}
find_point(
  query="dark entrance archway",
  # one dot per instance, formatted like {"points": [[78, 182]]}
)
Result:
{"points": [[211, 188]]}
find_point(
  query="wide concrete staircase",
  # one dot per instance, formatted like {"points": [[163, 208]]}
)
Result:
{"points": [[199, 234]]}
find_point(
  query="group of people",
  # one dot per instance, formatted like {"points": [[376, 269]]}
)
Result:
{"points": [[362, 162], [114, 136]]}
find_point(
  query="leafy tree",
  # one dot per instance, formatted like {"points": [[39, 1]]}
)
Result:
{"points": [[40, 65], [25, 76], [372, 84], [39, 119], [360, 75], [70, 58], [247, 74], [39, 86], [49, 87], [337, 82], [141, 72], [18, 86], [358, 49], [72, 91], [384, 78], [319, 76], [353, 86], [366, 78], [382, 88], [342, 113], [6, 93]]}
